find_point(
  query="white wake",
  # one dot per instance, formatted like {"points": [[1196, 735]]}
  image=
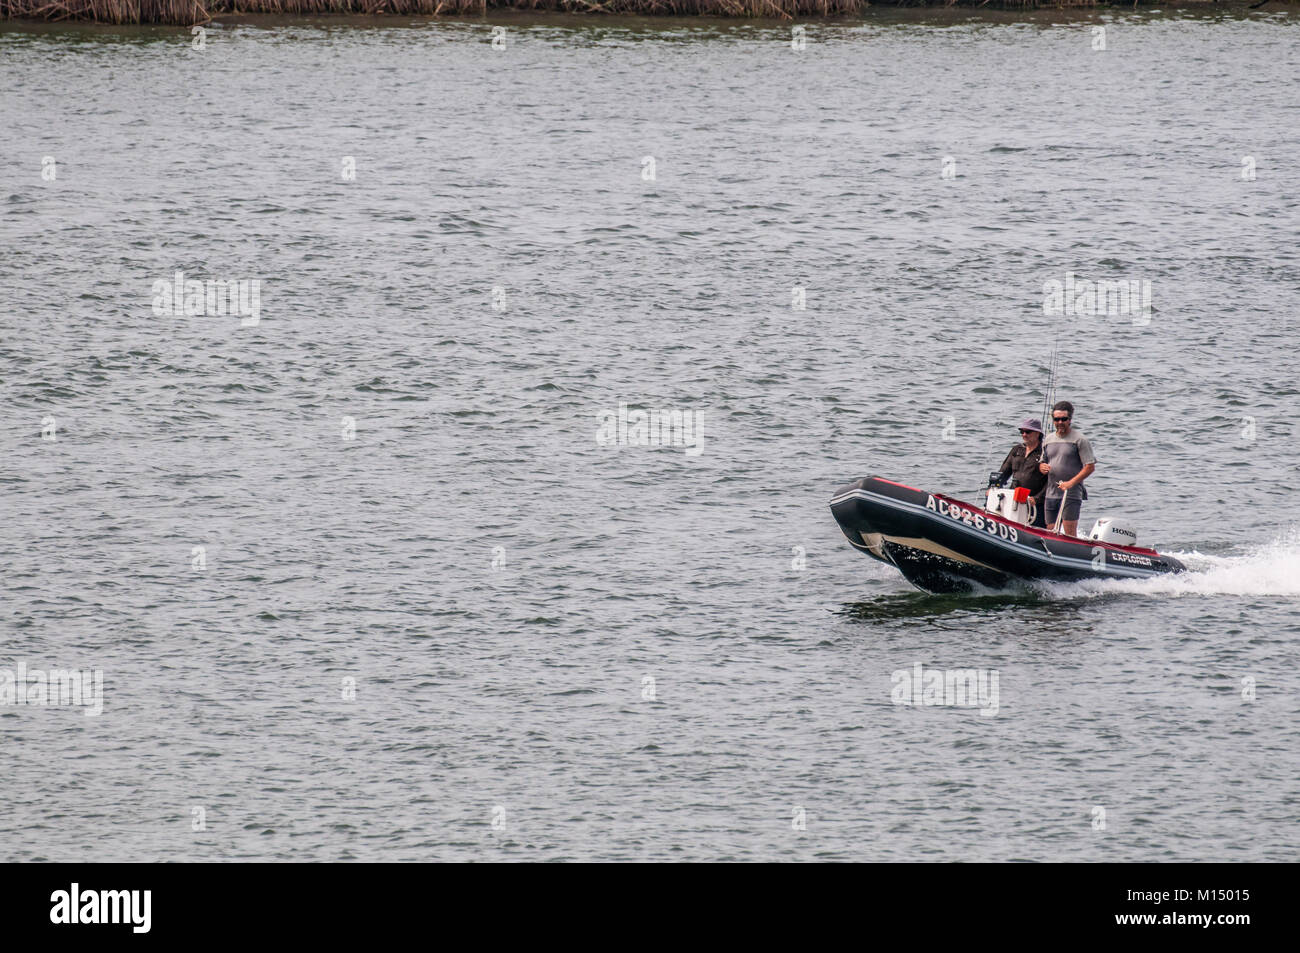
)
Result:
{"points": [[1269, 570]]}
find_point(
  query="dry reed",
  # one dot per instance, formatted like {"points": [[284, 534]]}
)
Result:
{"points": [[188, 12]]}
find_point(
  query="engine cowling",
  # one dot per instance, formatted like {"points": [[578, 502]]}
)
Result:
{"points": [[1108, 531]]}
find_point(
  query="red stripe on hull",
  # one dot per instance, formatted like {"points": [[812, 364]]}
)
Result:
{"points": [[1021, 527]]}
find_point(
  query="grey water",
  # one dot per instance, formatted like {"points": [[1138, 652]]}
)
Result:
{"points": [[365, 582]]}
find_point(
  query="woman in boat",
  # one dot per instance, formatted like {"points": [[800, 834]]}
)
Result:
{"points": [[1023, 464]]}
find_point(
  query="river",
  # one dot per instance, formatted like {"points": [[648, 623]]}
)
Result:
{"points": [[362, 579]]}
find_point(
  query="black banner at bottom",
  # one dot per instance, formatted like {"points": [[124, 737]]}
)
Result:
{"points": [[336, 903]]}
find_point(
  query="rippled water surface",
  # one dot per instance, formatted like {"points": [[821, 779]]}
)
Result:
{"points": [[470, 630]]}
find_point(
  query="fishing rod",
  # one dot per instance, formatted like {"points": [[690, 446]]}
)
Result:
{"points": [[1049, 398], [1050, 394]]}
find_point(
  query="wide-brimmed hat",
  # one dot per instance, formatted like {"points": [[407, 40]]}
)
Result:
{"points": [[1032, 423]]}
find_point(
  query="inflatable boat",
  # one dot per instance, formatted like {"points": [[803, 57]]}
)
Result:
{"points": [[941, 544]]}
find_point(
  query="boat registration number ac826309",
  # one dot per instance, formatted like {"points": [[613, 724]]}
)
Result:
{"points": [[973, 519]]}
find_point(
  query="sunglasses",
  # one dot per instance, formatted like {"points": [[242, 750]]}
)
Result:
{"points": [[1059, 420], [1023, 432]]}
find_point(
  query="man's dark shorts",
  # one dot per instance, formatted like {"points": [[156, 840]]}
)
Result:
{"points": [[1054, 506]]}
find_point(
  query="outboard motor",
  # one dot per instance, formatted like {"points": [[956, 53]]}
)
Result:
{"points": [[1108, 531]]}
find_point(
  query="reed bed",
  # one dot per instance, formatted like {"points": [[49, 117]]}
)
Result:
{"points": [[189, 12]]}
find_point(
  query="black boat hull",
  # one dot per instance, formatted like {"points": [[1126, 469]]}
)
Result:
{"points": [[943, 545]]}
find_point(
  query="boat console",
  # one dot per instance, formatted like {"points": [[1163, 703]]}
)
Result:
{"points": [[1011, 503]]}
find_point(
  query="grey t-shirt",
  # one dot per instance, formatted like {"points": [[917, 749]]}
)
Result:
{"points": [[1067, 456]]}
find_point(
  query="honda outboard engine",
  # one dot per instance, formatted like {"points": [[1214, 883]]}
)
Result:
{"points": [[1108, 531]]}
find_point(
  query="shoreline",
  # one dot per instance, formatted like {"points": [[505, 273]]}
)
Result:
{"points": [[195, 12]]}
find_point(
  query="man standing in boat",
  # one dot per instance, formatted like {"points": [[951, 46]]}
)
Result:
{"points": [[1068, 461], [1023, 464]]}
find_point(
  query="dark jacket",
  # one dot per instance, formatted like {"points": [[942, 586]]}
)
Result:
{"points": [[1025, 470]]}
